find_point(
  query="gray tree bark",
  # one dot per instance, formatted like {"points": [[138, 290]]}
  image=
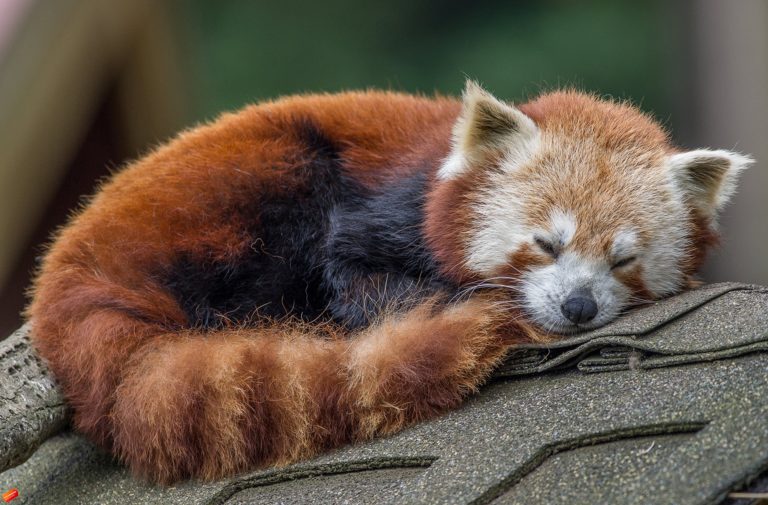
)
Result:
{"points": [[31, 406]]}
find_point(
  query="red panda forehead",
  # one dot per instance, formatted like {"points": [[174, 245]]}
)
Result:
{"points": [[611, 124], [602, 190], [609, 240]]}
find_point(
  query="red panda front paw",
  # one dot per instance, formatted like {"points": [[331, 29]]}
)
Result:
{"points": [[410, 367]]}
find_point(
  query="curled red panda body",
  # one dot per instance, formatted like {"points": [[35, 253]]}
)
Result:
{"points": [[324, 269]]}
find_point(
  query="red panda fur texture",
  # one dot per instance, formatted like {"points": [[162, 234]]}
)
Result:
{"points": [[310, 272]]}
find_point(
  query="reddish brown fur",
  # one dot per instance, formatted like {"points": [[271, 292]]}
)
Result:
{"points": [[703, 238], [173, 403], [523, 259], [612, 141], [599, 197], [447, 220], [633, 279], [619, 126]]}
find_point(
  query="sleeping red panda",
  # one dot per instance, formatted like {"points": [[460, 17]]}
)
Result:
{"points": [[324, 269]]}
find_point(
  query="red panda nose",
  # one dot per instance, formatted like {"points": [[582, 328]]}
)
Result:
{"points": [[580, 307]]}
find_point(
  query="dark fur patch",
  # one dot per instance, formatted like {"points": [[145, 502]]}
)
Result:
{"points": [[376, 254], [324, 248], [284, 223], [246, 204], [315, 141], [491, 120]]}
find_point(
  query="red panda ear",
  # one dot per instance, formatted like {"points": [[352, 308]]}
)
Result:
{"points": [[707, 177], [485, 128]]}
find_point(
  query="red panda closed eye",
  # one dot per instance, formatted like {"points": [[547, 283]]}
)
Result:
{"points": [[324, 269]]}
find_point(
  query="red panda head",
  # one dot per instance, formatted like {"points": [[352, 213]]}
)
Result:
{"points": [[580, 206]]}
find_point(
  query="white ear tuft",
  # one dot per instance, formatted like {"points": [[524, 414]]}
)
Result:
{"points": [[707, 177], [485, 126]]}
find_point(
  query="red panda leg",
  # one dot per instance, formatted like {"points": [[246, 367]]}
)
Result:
{"points": [[411, 367]]}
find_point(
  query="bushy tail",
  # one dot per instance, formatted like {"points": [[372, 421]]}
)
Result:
{"points": [[206, 405]]}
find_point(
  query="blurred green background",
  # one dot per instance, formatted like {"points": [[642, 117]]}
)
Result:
{"points": [[87, 84], [244, 51]]}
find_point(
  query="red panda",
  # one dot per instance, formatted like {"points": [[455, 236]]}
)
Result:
{"points": [[324, 269]]}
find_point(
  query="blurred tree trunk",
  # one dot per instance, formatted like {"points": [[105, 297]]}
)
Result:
{"points": [[729, 100]]}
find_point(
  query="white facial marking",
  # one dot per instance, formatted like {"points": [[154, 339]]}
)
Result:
{"points": [[563, 227], [652, 192], [499, 230], [624, 245], [499, 223], [662, 261], [668, 244], [546, 289]]}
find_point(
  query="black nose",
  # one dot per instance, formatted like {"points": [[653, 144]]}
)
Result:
{"points": [[580, 307]]}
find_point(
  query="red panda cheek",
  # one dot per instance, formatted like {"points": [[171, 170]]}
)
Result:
{"points": [[523, 259], [632, 278], [447, 217], [703, 238]]}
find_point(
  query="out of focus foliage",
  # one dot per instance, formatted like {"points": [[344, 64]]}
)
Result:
{"points": [[246, 51]]}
